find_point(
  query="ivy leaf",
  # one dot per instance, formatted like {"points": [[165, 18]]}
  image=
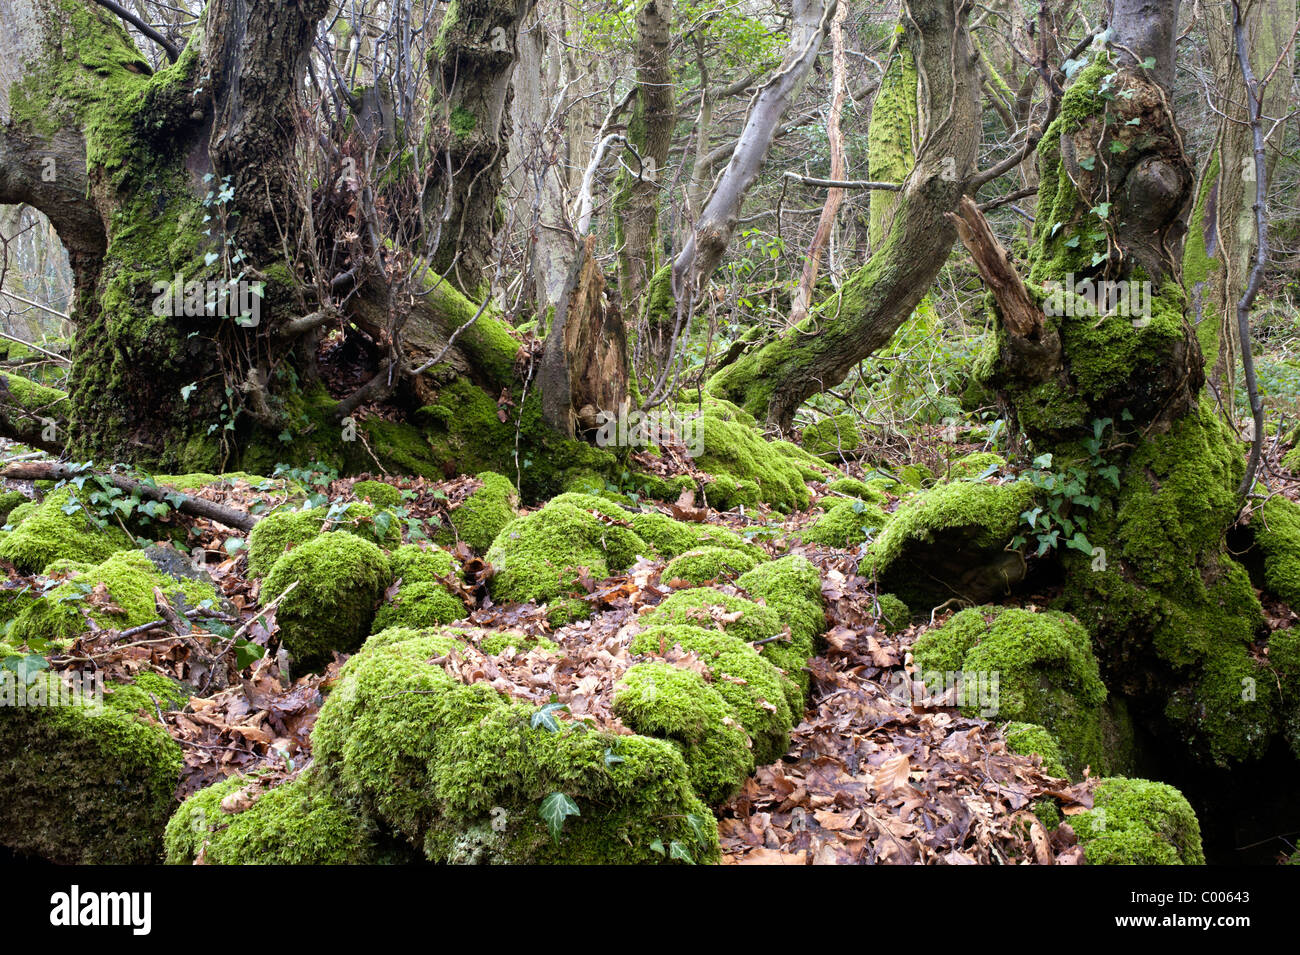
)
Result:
{"points": [[188, 390], [679, 852], [1080, 543], [611, 758], [1149, 63], [554, 810], [658, 846], [247, 653], [1089, 163], [545, 717]]}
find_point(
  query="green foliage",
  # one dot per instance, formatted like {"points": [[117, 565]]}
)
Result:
{"points": [[1137, 822], [481, 516], [705, 565]]}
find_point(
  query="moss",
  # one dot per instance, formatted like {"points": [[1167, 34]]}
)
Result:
{"points": [[736, 451], [832, 435], [378, 493], [340, 579], [450, 766], [670, 538], [1044, 669], [543, 555], [116, 594], [301, 822], [84, 781], [1030, 739], [791, 586], [708, 564], [47, 533], [893, 612], [10, 500], [414, 563], [281, 530], [846, 523], [751, 685], [16, 595], [439, 640], [658, 699], [1277, 534], [479, 519], [869, 493], [726, 492], [567, 610], [149, 692], [973, 520], [21, 513], [1138, 822], [743, 618], [420, 604], [973, 465]]}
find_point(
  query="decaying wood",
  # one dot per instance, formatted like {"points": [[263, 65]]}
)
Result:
{"points": [[1020, 314]]}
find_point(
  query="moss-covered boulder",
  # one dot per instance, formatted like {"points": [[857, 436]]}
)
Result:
{"points": [[59, 526], [973, 465], [846, 523], [1276, 527], [792, 586], [833, 435], [542, 556], [869, 492], [1138, 822], [276, 533], [378, 493], [340, 578], [758, 692], [115, 594], [1022, 666], [302, 822], [1030, 739], [671, 537], [425, 597], [734, 452], [705, 565], [893, 613], [951, 541], [752, 622], [10, 500], [85, 777], [480, 517], [465, 774], [661, 700]]}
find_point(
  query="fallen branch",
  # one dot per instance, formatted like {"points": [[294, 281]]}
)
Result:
{"points": [[58, 471]]}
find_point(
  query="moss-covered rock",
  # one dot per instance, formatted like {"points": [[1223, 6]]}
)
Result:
{"points": [[10, 500], [736, 451], [276, 533], [480, 517], [705, 565], [340, 578], [1044, 669], [1030, 739], [846, 523], [1138, 822], [894, 614], [59, 526], [462, 774], [756, 690], [750, 621], [116, 594], [302, 822], [832, 435], [85, 780], [869, 492], [973, 465], [951, 539], [670, 538], [378, 493], [420, 605], [792, 586], [658, 699], [1277, 534], [542, 556]]}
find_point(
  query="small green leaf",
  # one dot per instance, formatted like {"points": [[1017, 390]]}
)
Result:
{"points": [[554, 810], [545, 717]]}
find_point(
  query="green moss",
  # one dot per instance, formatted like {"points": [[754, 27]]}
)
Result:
{"points": [[735, 450], [1030, 739], [751, 685], [1137, 822], [148, 692], [846, 523], [542, 555], [791, 586], [707, 564], [420, 604], [439, 640], [479, 519], [1044, 668], [869, 493], [567, 610], [277, 532], [128, 580], [21, 513], [84, 782], [460, 772], [893, 612], [658, 699], [670, 538], [1277, 534], [47, 533], [10, 500], [973, 465], [833, 435], [301, 822], [414, 563], [378, 493], [340, 579]]}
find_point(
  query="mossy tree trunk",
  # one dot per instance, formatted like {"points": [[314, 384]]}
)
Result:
{"points": [[169, 188], [929, 106], [1146, 473]]}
